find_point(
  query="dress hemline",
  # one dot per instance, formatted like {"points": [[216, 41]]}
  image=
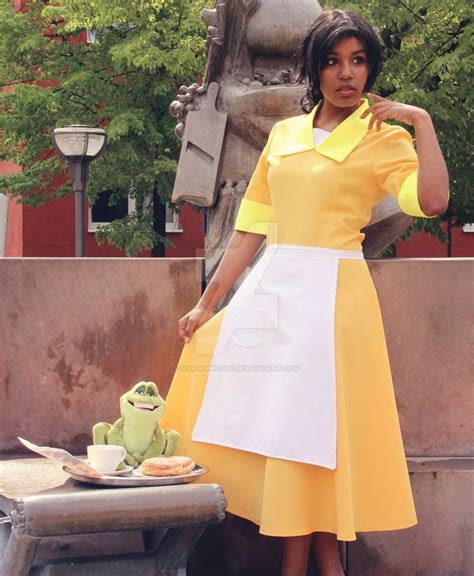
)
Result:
{"points": [[340, 536]]}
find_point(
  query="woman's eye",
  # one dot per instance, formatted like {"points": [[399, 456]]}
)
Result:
{"points": [[331, 61], [359, 59]]}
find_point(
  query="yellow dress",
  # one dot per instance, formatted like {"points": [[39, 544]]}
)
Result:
{"points": [[319, 196]]}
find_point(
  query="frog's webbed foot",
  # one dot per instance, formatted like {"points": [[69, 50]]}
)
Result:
{"points": [[100, 432], [132, 461], [171, 438]]}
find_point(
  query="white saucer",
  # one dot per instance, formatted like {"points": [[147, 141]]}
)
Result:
{"points": [[125, 470], [122, 472]]}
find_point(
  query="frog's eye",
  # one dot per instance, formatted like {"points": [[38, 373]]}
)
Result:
{"points": [[140, 390], [150, 392]]}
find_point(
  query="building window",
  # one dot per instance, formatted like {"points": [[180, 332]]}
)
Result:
{"points": [[102, 213], [90, 36], [172, 220]]}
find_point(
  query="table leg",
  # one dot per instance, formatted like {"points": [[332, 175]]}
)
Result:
{"points": [[5, 530], [153, 538], [174, 551], [19, 554]]}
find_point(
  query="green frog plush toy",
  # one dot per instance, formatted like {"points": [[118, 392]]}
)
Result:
{"points": [[138, 429]]}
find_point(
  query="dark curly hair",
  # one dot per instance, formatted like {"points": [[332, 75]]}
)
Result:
{"points": [[328, 28]]}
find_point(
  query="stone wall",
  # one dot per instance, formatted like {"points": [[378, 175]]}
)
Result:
{"points": [[75, 329]]}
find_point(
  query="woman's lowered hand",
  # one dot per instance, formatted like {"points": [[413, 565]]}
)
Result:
{"points": [[192, 321]]}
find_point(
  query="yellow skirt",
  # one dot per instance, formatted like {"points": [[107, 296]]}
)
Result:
{"points": [[370, 488]]}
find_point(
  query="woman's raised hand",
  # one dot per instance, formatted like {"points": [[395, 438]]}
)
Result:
{"points": [[385, 109], [192, 321]]}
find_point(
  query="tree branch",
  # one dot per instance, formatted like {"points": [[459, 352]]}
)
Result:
{"points": [[17, 82], [126, 73], [412, 12], [433, 58], [82, 104]]}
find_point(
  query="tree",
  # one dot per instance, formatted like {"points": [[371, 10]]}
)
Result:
{"points": [[123, 81], [428, 52]]}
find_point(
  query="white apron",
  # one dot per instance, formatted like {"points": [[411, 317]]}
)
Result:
{"points": [[271, 387]]}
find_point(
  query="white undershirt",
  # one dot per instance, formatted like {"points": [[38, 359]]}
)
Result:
{"points": [[320, 135]]}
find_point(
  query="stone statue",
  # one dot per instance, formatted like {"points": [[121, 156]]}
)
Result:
{"points": [[251, 55]]}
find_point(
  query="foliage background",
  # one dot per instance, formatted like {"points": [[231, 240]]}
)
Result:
{"points": [[428, 52], [145, 49], [124, 81]]}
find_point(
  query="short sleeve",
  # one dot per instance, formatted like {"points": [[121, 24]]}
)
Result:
{"points": [[396, 170], [255, 210]]}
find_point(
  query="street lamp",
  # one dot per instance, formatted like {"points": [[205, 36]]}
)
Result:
{"points": [[80, 144]]}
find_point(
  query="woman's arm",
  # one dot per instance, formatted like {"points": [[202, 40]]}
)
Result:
{"points": [[433, 179], [239, 253], [250, 229]]}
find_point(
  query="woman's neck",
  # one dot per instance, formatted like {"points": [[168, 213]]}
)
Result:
{"points": [[329, 116]]}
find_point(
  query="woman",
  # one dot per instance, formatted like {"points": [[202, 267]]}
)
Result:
{"points": [[286, 393]]}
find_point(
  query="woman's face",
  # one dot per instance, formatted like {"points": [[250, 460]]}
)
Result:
{"points": [[344, 73]]}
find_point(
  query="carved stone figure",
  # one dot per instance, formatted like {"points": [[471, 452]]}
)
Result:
{"points": [[251, 56]]}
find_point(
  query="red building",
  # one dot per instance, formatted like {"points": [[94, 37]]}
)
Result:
{"points": [[49, 230], [425, 246]]}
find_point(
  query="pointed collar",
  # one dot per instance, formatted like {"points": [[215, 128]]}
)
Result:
{"points": [[338, 145]]}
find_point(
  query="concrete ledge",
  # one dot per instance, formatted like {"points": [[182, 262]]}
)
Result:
{"points": [[442, 541]]}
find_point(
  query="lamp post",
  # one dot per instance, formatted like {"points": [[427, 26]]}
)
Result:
{"points": [[80, 144]]}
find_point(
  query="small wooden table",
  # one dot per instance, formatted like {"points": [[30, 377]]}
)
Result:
{"points": [[45, 502]]}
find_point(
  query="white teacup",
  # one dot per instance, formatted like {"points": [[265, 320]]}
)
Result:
{"points": [[105, 457]]}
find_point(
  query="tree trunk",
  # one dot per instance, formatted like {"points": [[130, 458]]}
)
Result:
{"points": [[159, 224]]}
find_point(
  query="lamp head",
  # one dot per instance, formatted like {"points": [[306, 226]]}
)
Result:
{"points": [[78, 141]]}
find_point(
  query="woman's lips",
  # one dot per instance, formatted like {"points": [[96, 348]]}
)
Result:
{"points": [[345, 92]]}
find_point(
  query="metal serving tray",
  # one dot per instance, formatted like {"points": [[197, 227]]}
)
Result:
{"points": [[136, 478]]}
